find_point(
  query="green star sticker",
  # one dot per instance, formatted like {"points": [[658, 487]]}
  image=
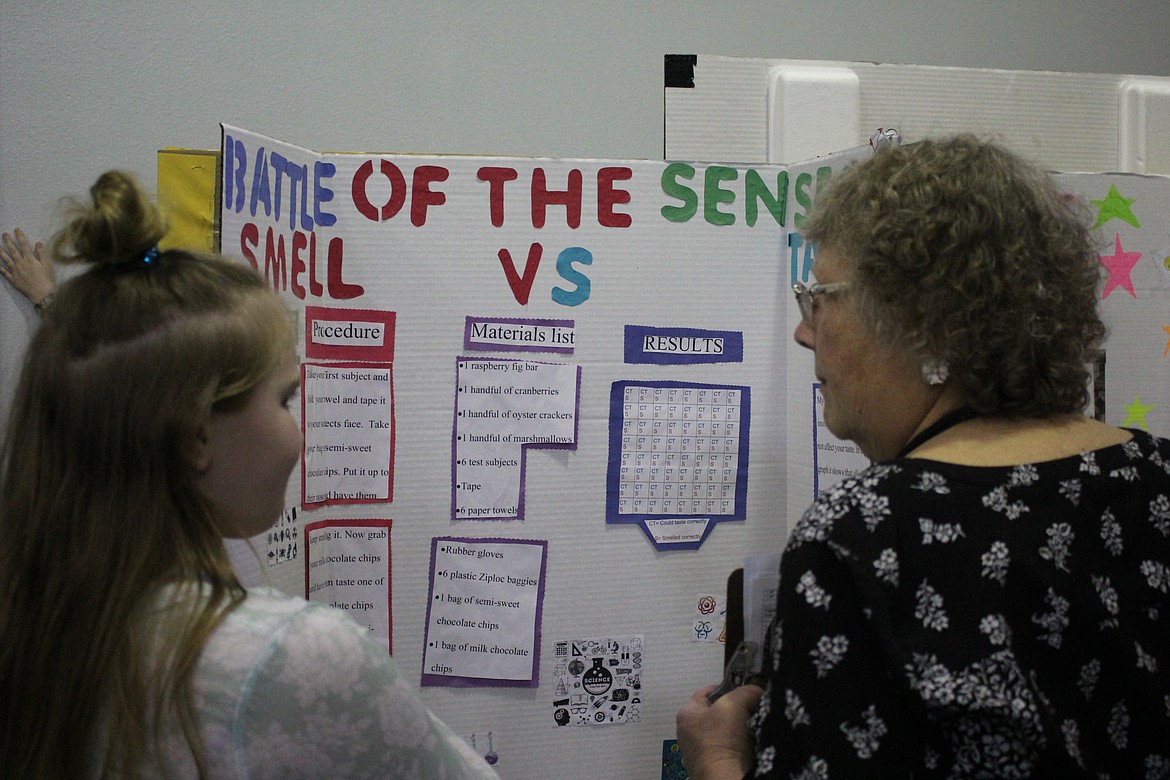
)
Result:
{"points": [[1115, 207], [1135, 414]]}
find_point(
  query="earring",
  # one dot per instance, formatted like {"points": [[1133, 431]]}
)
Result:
{"points": [[935, 372]]}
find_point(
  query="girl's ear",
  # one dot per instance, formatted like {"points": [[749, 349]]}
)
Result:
{"points": [[200, 449]]}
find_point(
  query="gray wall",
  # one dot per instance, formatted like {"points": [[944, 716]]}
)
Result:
{"points": [[92, 86]]}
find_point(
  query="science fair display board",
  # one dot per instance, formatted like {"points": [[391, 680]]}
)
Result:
{"points": [[549, 404]]}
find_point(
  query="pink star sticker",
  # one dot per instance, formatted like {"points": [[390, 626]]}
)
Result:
{"points": [[1120, 264]]}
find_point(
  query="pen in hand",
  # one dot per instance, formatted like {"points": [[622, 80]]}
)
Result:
{"points": [[738, 669]]}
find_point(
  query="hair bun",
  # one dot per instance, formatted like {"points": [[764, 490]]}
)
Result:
{"points": [[118, 228]]}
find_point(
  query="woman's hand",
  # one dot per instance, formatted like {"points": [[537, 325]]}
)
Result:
{"points": [[25, 267], [714, 737]]}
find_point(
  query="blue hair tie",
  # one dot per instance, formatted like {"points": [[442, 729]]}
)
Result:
{"points": [[150, 256]]}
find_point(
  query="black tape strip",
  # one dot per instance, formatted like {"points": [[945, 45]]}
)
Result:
{"points": [[679, 70]]}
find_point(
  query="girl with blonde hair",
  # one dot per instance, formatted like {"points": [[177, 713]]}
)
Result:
{"points": [[151, 421]]}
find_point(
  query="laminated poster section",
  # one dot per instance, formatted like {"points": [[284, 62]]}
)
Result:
{"points": [[502, 408], [348, 413], [348, 406], [347, 566], [484, 612]]}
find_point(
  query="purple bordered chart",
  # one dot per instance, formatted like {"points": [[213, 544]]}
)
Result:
{"points": [[678, 455]]}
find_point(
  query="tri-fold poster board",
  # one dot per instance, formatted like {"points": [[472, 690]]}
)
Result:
{"points": [[549, 404]]}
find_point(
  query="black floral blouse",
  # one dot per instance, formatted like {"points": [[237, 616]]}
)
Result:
{"points": [[945, 621]]}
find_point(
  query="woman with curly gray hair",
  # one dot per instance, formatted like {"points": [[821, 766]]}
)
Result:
{"points": [[989, 599]]}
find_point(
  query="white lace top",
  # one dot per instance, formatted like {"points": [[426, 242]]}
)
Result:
{"points": [[291, 689]]}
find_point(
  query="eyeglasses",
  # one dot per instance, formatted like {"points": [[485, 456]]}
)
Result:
{"points": [[806, 296]]}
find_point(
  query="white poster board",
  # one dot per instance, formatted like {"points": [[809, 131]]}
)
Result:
{"points": [[568, 389]]}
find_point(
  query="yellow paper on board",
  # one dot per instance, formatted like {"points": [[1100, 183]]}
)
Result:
{"points": [[187, 195]]}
